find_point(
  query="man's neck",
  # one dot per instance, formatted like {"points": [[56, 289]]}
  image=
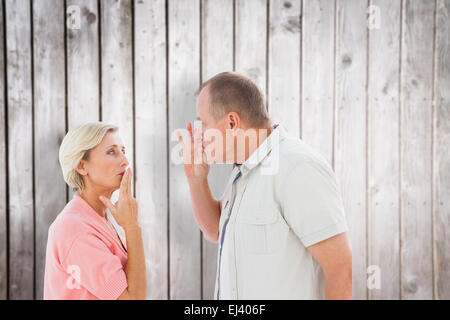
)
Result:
{"points": [[261, 135]]}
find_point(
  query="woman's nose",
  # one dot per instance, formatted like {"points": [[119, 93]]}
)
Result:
{"points": [[124, 163]]}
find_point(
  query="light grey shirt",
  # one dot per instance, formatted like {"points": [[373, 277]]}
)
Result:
{"points": [[284, 198]]}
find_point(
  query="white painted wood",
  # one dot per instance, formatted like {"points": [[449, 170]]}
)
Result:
{"points": [[442, 153], [3, 173], [383, 149], [151, 141], [184, 79], [49, 124], [83, 65], [251, 38], [318, 76], [117, 70], [217, 56], [20, 149], [284, 64], [416, 150], [350, 129]]}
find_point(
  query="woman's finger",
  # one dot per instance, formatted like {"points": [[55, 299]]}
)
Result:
{"points": [[107, 203], [130, 176], [123, 185]]}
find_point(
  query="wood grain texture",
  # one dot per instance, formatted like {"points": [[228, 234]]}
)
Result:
{"points": [[49, 120], [350, 129], [251, 38], [284, 64], [184, 79], [3, 173], [151, 141], [318, 76], [217, 56], [117, 70], [442, 153], [383, 149], [83, 65], [416, 149], [20, 152]]}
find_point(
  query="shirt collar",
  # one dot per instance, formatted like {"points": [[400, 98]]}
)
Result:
{"points": [[277, 135]]}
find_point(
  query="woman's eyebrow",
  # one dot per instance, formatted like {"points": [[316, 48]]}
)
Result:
{"points": [[115, 145]]}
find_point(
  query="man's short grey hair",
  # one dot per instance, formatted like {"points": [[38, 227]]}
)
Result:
{"points": [[231, 91]]}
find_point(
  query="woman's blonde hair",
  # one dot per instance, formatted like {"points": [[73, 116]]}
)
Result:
{"points": [[76, 146]]}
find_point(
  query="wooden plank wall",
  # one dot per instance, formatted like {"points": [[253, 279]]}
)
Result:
{"points": [[366, 82]]}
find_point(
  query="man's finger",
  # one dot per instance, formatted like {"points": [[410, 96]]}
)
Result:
{"points": [[189, 129]]}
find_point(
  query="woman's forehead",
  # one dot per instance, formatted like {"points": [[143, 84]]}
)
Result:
{"points": [[112, 139]]}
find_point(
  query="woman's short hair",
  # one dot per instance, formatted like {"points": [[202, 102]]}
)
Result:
{"points": [[76, 146]]}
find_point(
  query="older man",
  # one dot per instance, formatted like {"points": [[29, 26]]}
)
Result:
{"points": [[280, 223]]}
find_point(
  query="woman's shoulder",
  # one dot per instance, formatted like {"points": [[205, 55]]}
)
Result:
{"points": [[69, 224]]}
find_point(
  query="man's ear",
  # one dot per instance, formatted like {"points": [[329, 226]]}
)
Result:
{"points": [[234, 121], [81, 168]]}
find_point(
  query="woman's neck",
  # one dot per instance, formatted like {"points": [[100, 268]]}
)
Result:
{"points": [[92, 198]]}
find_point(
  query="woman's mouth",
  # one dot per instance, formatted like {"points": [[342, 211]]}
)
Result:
{"points": [[122, 173]]}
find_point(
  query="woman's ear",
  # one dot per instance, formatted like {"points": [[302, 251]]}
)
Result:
{"points": [[81, 168]]}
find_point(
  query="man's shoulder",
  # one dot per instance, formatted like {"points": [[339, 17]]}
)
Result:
{"points": [[294, 153]]}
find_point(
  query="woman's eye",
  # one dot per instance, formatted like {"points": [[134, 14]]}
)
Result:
{"points": [[111, 152]]}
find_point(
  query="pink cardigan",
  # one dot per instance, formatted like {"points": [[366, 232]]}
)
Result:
{"points": [[84, 259]]}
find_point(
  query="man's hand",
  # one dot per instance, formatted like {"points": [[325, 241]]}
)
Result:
{"points": [[194, 160], [335, 257], [196, 168]]}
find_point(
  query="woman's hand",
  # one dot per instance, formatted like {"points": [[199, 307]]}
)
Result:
{"points": [[194, 160], [125, 211]]}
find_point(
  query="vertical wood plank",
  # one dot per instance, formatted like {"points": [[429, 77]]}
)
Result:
{"points": [[350, 129], [3, 187], [383, 150], [49, 120], [83, 64], [284, 64], [151, 140], [184, 79], [442, 153], [117, 70], [20, 155], [251, 39], [416, 152], [318, 76], [217, 56]]}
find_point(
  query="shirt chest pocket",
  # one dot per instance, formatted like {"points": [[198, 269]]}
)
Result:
{"points": [[261, 231]]}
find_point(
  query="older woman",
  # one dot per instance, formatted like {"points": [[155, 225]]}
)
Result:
{"points": [[86, 258]]}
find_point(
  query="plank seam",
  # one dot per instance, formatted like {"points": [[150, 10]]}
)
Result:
{"points": [[167, 144], [433, 152], [400, 93], [6, 151], [33, 169]]}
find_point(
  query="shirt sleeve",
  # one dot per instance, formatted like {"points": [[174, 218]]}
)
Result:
{"points": [[312, 203], [97, 268]]}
